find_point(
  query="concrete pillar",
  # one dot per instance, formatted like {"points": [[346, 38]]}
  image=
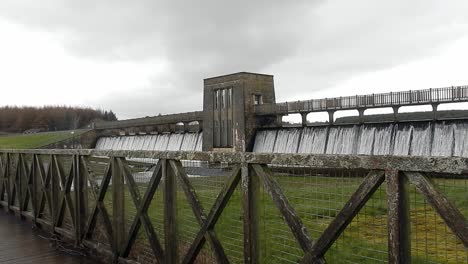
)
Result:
{"points": [[200, 126], [361, 114], [395, 112], [304, 119], [434, 110], [186, 126], [279, 120], [331, 113]]}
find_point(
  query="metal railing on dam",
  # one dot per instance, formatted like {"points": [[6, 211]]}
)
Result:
{"points": [[151, 121], [393, 99], [165, 207]]}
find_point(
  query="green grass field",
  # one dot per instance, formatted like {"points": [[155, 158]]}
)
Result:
{"points": [[31, 141], [317, 200]]}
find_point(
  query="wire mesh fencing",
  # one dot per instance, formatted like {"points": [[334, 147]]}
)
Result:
{"points": [[192, 208]]}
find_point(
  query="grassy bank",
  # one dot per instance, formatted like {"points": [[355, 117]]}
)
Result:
{"points": [[31, 141]]}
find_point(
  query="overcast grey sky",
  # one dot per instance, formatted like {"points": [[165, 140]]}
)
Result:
{"points": [[147, 57]]}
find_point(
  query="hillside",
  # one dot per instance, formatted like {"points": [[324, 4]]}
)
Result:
{"points": [[38, 140]]}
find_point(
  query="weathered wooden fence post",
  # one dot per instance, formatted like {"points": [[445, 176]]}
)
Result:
{"points": [[170, 211], [19, 184], [250, 195], [80, 184], [55, 181], [118, 208], [399, 248], [7, 180], [35, 167]]}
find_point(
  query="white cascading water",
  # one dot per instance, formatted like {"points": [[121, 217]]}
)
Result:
{"points": [[366, 140], [313, 140], [342, 140], [287, 141], [160, 142], [449, 138], [266, 141], [402, 140], [443, 142], [460, 148], [421, 140], [383, 140]]}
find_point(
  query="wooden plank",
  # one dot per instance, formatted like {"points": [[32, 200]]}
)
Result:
{"points": [[107, 226], [99, 198], [55, 191], [447, 211], [170, 214], [250, 205], [66, 201], [141, 216], [29, 173], [399, 240], [287, 211], [23, 184], [355, 203], [213, 216], [19, 181], [15, 182], [118, 206], [81, 197], [455, 165], [2, 178], [45, 197], [197, 209], [7, 180]]}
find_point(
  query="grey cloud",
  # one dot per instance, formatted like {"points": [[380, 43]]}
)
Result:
{"points": [[319, 42]]}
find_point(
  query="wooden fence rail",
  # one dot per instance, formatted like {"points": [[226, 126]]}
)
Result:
{"points": [[78, 196]]}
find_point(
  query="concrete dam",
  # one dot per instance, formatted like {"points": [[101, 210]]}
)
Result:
{"points": [[415, 139], [240, 114], [158, 142], [444, 138]]}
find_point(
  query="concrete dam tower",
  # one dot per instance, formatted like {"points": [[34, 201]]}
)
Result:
{"points": [[229, 102]]}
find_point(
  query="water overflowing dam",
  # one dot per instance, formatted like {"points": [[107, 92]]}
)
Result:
{"points": [[443, 138], [158, 142], [446, 138]]}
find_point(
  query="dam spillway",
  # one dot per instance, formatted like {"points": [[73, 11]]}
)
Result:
{"points": [[240, 114], [157, 142], [444, 138]]}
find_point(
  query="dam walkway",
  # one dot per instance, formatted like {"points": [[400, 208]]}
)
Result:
{"points": [[22, 245]]}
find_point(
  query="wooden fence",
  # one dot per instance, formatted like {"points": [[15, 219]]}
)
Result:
{"points": [[95, 199]]}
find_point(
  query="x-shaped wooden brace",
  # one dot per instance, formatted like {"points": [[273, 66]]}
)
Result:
{"points": [[207, 225], [4, 176], [197, 209], [45, 177], [30, 173], [449, 213], [359, 198], [99, 207], [142, 206], [16, 184], [314, 252], [66, 200]]}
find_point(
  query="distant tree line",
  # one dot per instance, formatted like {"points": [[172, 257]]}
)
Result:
{"points": [[15, 119]]}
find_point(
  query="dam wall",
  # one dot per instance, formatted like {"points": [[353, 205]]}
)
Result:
{"points": [[440, 138], [240, 114], [158, 142]]}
